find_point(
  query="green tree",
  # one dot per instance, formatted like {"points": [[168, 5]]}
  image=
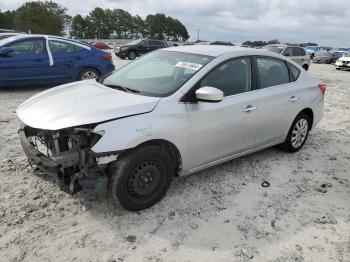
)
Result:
{"points": [[78, 27], [7, 20], [41, 17]]}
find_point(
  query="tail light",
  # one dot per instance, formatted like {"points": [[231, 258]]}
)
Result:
{"points": [[322, 87], [106, 57]]}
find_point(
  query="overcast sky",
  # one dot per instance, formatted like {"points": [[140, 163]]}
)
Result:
{"points": [[326, 22]]}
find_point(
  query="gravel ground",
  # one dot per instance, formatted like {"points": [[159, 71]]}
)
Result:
{"points": [[215, 215]]}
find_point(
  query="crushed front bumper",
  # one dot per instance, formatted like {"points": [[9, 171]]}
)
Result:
{"points": [[47, 164], [75, 170]]}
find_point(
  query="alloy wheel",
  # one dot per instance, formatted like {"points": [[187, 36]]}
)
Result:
{"points": [[89, 75], [299, 132]]}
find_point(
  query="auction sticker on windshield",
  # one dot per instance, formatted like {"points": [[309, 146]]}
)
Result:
{"points": [[189, 65]]}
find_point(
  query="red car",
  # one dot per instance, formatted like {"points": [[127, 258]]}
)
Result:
{"points": [[102, 46]]}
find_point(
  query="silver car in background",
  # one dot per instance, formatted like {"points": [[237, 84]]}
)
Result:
{"points": [[171, 112], [296, 53], [326, 57]]}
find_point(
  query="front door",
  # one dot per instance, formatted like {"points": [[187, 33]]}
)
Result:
{"points": [[27, 64], [222, 129]]}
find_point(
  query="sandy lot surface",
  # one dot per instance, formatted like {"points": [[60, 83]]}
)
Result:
{"points": [[215, 215]]}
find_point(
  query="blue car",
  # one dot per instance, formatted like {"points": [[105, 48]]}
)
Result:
{"points": [[49, 60]]}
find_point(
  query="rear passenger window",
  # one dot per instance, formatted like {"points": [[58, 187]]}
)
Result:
{"points": [[272, 72], [61, 47], [232, 77], [297, 51], [295, 71]]}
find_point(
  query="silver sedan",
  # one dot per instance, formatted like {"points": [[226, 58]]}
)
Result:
{"points": [[172, 112]]}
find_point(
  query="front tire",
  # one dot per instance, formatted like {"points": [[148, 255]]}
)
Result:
{"points": [[140, 178], [297, 134]]}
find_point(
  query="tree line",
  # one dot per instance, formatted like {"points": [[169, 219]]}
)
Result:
{"points": [[51, 18], [261, 43], [274, 41], [102, 23]]}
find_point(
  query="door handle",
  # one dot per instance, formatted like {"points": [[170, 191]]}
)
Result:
{"points": [[293, 98], [38, 60], [249, 109]]}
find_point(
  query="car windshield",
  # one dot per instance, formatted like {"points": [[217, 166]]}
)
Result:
{"points": [[135, 42], [274, 49], [159, 73]]}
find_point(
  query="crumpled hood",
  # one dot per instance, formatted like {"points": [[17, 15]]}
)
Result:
{"points": [[81, 103]]}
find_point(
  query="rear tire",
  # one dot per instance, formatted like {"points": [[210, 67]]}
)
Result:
{"points": [[88, 73], [297, 134], [132, 55], [141, 177]]}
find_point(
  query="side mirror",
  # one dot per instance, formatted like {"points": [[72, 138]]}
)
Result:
{"points": [[209, 94], [4, 51], [140, 45], [286, 54]]}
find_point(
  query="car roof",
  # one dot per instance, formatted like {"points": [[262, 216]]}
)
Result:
{"points": [[284, 45], [22, 36], [10, 33], [218, 50], [51, 37]]}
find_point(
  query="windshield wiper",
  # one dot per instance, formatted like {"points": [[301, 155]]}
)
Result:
{"points": [[125, 89]]}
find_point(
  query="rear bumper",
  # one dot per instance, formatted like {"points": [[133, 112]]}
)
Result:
{"points": [[108, 69]]}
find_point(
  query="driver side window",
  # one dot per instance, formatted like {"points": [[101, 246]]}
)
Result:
{"points": [[28, 47], [232, 77]]}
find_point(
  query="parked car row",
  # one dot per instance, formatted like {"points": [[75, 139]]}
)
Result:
{"points": [[49, 60], [327, 57]]}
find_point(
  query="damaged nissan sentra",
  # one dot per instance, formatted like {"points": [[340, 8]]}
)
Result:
{"points": [[172, 112]]}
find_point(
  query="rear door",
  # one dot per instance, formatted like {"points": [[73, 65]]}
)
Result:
{"points": [[278, 101], [67, 58], [27, 64]]}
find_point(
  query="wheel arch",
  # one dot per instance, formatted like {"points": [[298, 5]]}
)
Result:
{"points": [[308, 111], [168, 146]]}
